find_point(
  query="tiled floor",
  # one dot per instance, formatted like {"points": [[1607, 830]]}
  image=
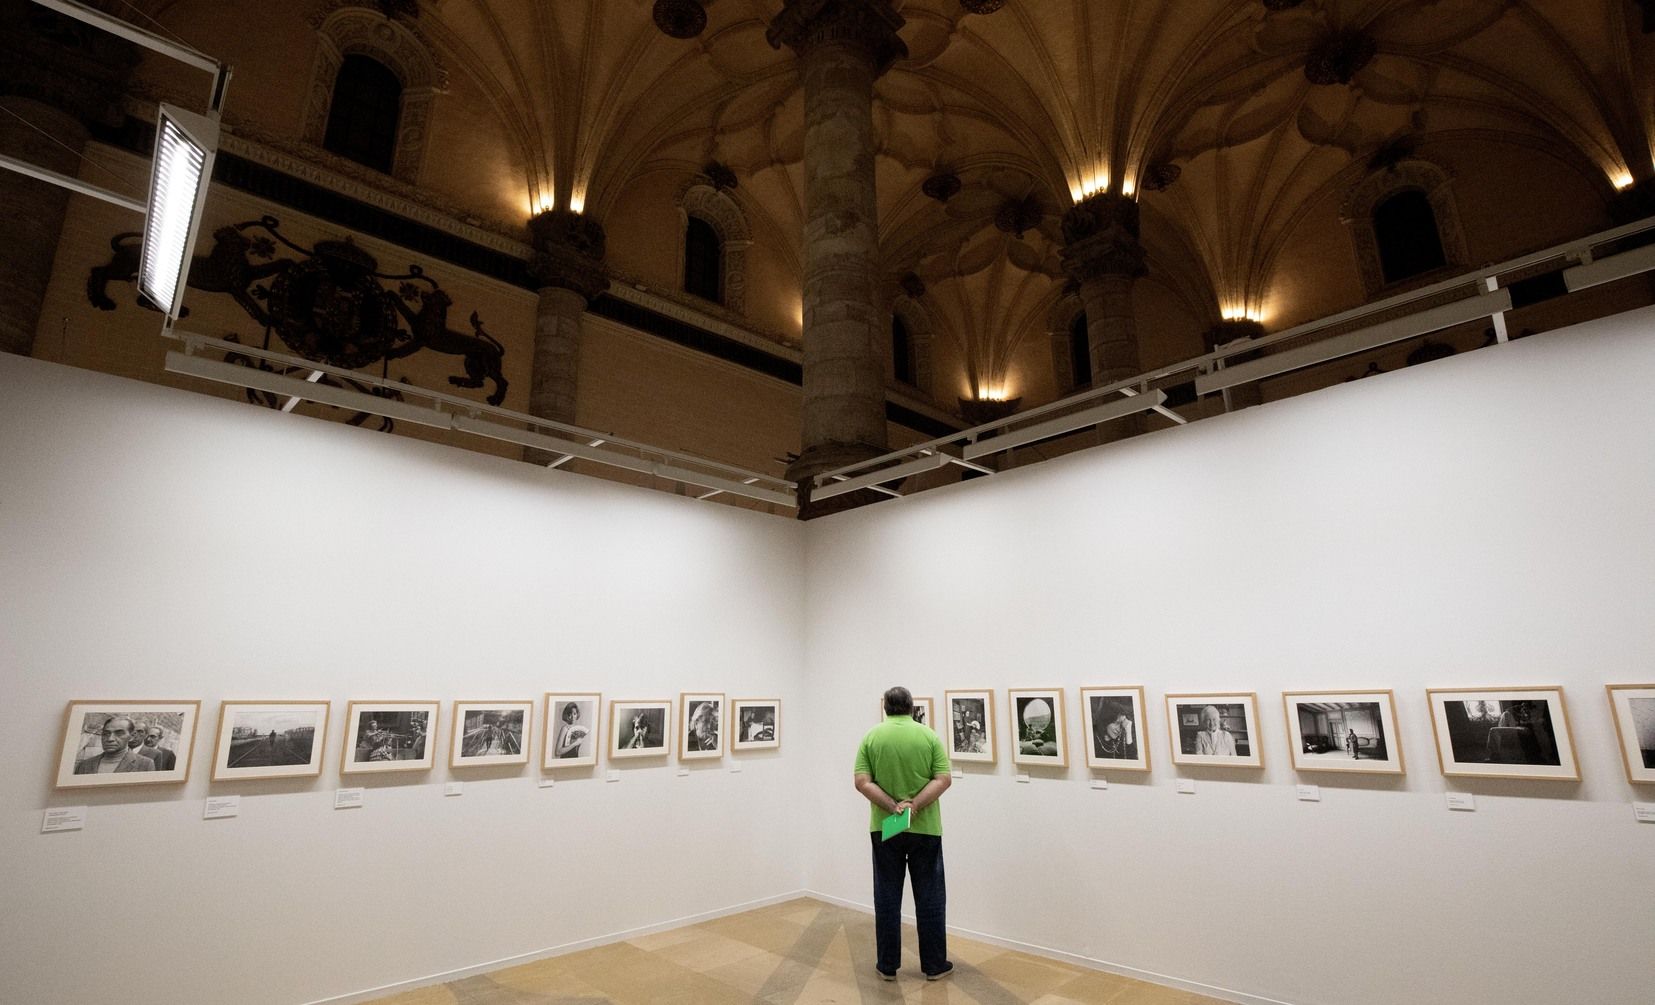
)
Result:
{"points": [[802, 952]]}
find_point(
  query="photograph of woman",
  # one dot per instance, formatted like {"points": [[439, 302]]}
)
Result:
{"points": [[571, 739]]}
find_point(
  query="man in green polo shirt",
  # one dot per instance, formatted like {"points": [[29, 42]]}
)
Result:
{"points": [[902, 764]]}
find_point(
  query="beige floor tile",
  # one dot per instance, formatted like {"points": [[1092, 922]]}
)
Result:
{"points": [[708, 951], [661, 940]]}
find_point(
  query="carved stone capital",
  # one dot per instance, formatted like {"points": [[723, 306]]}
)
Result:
{"points": [[868, 27], [1229, 331], [1634, 202], [62, 63], [1101, 238], [568, 252]]}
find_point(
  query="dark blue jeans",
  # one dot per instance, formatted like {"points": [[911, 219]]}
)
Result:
{"points": [[921, 856]]}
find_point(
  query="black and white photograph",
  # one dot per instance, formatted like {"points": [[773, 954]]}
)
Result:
{"points": [[1112, 724], [382, 736], [1220, 730], [640, 728], [261, 739], [701, 726], [126, 742], [756, 723], [1517, 732], [490, 733], [924, 711], [970, 726], [1633, 706], [1038, 730], [1350, 731], [571, 739]]}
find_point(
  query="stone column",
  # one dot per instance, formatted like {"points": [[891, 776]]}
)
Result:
{"points": [[57, 75], [568, 265], [1103, 256], [1242, 395], [843, 46]]}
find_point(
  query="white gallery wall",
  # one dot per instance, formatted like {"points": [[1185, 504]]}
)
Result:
{"points": [[157, 544], [1484, 520]]}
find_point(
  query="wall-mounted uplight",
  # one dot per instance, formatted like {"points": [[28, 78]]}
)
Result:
{"points": [[1090, 184], [1241, 314], [577, 201], [1622, 181], [1129, 188], [185, 144]]}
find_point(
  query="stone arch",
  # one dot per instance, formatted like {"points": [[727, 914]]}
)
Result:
{"points": [[921, 336], [720, 211], [345, 29], [1417, 175], [1059, 322]]}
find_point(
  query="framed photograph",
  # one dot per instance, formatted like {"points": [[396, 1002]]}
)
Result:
{"points": [[640, 728], [270, 739], [757, 723], [126, 743], [924, 711], [1512, 732], [1353, 731], [700, 726], [489, 733], [1634, 709], [1219, 730], [970, 726], [1039, 734], [390, 736], [1112, 727], [571, 739]]}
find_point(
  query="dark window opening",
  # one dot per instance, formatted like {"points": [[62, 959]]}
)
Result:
{"points": [[362, 121], [703, 261], [1405, 228], [1080, 352], [902, 351]]}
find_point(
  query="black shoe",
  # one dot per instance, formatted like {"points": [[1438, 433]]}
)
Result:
{"points": [[940, 974], [883, 975]]}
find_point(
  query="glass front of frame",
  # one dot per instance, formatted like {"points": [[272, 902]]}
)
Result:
{"points": [[572, 722], [701, 726], [1350, 731], [1215, 730], [756, 723], [1113, 728], [640, 728], [1633, 706], [924, 711], [126, 742], [970, 719], [1518, 732], [1039, 733], [382, 736], [489, 733], [258, 739]]}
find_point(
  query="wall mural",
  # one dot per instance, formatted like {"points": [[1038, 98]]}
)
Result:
{"points": [[329, 304]]}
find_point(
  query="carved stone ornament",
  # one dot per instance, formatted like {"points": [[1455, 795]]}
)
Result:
{"points": [[680, 18], [870, 26], [720, 176], [1018, 216], [1231, 330], [1159, 177], [568, 252], [912, 285], [1339, 56], [1356, 213], [977, 411], [1275, 5], [1100, 235], [717, 208], [942, 186], [982, 6]]}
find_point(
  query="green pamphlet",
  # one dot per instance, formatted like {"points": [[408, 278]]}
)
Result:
{"points": [[896, 823]]}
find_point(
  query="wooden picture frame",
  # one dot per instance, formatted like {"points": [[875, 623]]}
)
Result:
{"points": [[925, 711], [970, 725], [1633, 709], [1039, 727], [755, 724], [1352, 732], [83, 743], [486, 734], [270, 739], [1233, 742], [1503, 732], [388, 736], [1113, 728], [572, 743], [640, 727], [701, 720]]}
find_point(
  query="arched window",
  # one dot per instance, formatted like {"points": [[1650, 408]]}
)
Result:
{"points": [[1080, 352], [1405, 228], [902, 351], [365, 113], [703, 261]]}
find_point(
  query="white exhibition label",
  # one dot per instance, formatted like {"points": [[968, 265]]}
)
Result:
{"points": [[1644, 812], [683, 772], [1100, 783], [345, 799], [1186, 786], [735, 767], [64, 818], [1462, 801], [219, 807], [547, 782], [613, 776], [1310, 793], [957, 773], [454, 789], [1022, 776]]}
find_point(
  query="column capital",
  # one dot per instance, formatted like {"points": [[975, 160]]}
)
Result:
{"points": [[867, 26], [568, 252], [1231, 330], [1100, 235]]}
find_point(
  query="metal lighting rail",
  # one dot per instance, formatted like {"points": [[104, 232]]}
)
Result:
{"points": [[452, 412], [1485, 298]]}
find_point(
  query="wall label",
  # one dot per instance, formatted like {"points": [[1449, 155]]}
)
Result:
{"points": [[220, 807], [1310, 793], [346, 799], [1462, 801], [547, 782], [1644, 813], [454, 789], [735, 767], [613, 776], [1023, 776], [64, 818], [1186, 786], [956, 772], [1100, 783], [683, 772]]}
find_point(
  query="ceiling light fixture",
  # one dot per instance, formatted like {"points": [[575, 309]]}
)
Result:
{"points": [[185, 145]]}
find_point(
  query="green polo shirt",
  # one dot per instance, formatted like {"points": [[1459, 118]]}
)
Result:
{"points": [[901, 756]]}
